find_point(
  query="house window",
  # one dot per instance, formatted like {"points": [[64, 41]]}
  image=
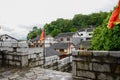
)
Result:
{"points": [[61, 39], [88, 38], [68, 39], [6, 37], [14, 49], [61, 50], [81, 34], [90, 34]]}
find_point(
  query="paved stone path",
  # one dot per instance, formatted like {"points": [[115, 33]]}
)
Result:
{"points": [[35, 74]]}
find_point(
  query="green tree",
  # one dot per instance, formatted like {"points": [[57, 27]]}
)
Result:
{"points": [[106, 39], [34, 33], [84, 21], [58, 26]]}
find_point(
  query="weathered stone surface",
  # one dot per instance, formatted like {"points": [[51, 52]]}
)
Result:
{"points": [[13, 77], [100, 53], [86, 74], [74, 68], [36, 74], [102, 76], [22, 50], [101, 67], [114, 53], [117, 69], [105, 65], [22, 45], [4, 79], [95, 60], [84, 65], [85, 53]]}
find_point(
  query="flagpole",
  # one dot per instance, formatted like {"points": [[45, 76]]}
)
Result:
{"points": [[44, 50]]}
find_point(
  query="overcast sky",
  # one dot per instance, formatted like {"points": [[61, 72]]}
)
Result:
{"points": [[17, 17]]}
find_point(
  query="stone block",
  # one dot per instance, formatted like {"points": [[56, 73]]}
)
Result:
{"points": [[13, 77], [102, 76], [14, 44], [10, 57], [84, 65], [4, 79], [95, 60], [6, 49], [101, 67], [75, 53], [6, 44], [100, 53], [24, 61], [85, 53], [74, 68], [25, 45], [117, 69], [114, 54], [35, 50], [86, 74], [22, 50], [29, 75]]}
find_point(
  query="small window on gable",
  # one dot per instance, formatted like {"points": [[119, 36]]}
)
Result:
{"points": [[61, 50], [68, 39], [6, 37], [81, 34], [90, 34], [14, 49], [61, 39]]}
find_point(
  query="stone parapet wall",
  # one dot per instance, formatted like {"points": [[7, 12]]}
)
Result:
{"points": [[20, 55], [96, 65]]}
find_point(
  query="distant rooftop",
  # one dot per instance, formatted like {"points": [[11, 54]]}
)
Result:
{"points": [[60, 46], [8, 36], [68, 34], [51, 52], [88, 29]]}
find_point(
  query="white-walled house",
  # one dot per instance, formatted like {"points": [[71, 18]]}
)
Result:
{"points": [[49, 40], [35, 42], [64, 49], [7, 38], [84, 34], [65, 37]]}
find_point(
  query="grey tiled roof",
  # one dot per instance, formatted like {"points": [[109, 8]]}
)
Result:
{"points": [[60, 46], [8, 36], [88, 29], [68, 34], [50, 52], [35, 39]]}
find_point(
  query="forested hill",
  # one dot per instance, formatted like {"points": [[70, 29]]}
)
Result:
{"points": [[66, 25]]}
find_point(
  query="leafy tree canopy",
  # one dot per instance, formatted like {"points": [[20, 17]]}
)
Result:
{"points": [[34, 33], [106, 39], [66, 25]]}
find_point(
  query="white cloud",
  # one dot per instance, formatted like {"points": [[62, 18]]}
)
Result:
{"points": [[14, 13]]}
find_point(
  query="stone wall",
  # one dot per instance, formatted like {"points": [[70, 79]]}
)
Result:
{"points": [[96, 65], [19, 55]]}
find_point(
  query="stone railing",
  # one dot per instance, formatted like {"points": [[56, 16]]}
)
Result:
{"points": [[96, 65]]}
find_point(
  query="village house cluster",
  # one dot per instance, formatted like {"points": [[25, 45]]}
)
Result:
{"points": [[55, 55]]}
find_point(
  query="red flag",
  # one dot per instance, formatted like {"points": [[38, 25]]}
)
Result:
{"points": [[42, 37], [114, 19]]}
